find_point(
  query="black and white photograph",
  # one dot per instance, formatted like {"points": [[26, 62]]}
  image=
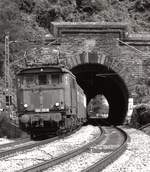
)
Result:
{"points": [[74, 85]]}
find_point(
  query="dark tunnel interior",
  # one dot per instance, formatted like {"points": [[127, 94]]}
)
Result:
{"points": [[99, 79]]}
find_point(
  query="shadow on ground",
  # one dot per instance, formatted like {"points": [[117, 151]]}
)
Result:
{"points": [[7, 129]]}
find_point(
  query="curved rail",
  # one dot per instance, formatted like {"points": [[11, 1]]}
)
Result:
{"points": [[109, 136], [27, 143], [101, 164], [64, 157]]}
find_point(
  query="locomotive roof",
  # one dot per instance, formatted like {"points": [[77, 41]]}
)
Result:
{"points": [[44, 69]]}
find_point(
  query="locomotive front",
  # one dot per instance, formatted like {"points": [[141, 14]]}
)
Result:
{"points": [[41, 98]]}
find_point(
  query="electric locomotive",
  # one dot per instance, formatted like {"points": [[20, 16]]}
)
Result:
{"points": [[49, 100]]}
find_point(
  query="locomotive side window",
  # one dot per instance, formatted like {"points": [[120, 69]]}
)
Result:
{"points": [[42, 79], [56, 78], [73, 84], [73, 94]]}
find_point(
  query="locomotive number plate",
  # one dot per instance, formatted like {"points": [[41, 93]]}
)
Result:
{"points": [[37, 110]]}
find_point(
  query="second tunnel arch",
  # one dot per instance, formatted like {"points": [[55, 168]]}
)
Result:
{"points": [[99, 79]]}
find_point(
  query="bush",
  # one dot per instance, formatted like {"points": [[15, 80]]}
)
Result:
{"points": [[140, 116]]}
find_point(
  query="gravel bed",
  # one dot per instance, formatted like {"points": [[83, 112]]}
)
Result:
{"points": [[44, 152], [86, 159], [78, 163], [137, 156], [135, 159]]}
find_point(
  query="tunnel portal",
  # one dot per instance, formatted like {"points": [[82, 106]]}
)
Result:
{"points": [[99, 79]]}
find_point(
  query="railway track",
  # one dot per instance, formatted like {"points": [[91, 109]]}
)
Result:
{"points": [[21, 145], [27, 143], [114, 145], [64, 157], [106, 149], [146, 128], [6, 146], [22, 159]]}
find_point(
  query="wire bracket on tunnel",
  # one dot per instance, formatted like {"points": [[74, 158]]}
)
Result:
{"points": [[106, 74]]}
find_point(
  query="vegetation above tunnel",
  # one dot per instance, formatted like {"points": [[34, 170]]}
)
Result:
{"points": [[29, 20]]}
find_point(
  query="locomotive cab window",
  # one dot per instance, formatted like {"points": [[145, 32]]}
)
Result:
{"points": [[56, 79], [42, 79]]}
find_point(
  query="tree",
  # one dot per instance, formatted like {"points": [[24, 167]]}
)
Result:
{"points": [[20, 26]]}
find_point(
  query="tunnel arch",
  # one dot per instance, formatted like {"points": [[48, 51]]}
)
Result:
{"points": [[100, 79], [107, 45]]}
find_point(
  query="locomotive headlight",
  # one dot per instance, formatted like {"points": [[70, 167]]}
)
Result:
{"points": [[57, 104], [25, 105]]}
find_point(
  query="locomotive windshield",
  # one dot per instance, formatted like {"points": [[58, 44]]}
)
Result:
{"points": [[41, 90], [45, 98], [43, 80], [31, 80], [56, 78]]}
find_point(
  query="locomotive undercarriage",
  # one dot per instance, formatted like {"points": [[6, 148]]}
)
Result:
{"points": [[66, 124]]}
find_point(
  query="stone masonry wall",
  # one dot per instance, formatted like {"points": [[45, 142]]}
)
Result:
{"points": [[129, 58], [137, 69], [72, 46]]}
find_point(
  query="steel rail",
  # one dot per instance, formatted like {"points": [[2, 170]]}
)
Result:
{"points": [[104, 162], [26, 146], [64, 157]]}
